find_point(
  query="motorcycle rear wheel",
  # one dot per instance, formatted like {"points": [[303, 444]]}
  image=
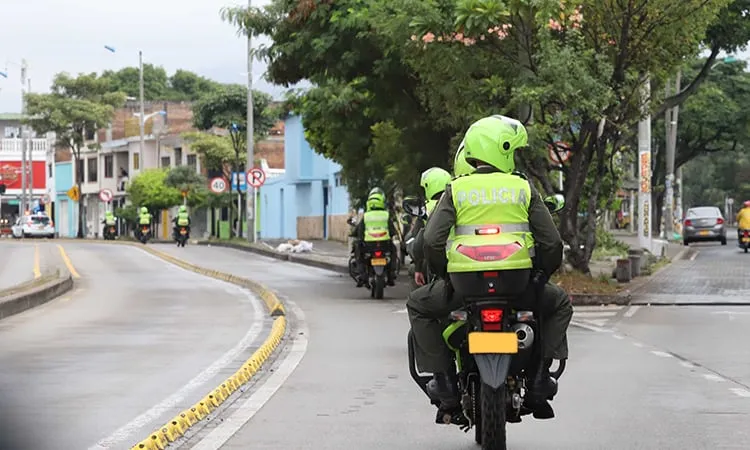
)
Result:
{"points": [[493, 417], [379, 286]]}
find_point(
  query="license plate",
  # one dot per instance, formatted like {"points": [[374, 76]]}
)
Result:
{"points": [[484, 342], [183, 231], [704, 233], [378, 261], [746, 239]]}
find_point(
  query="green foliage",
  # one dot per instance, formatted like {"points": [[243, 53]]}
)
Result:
{"points": [[149, 189], [128, 213], [227, 105], [187, 180], [216, 151], [183, 85]]}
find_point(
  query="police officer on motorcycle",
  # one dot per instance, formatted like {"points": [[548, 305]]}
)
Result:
{"points": [[182, 220], [489, 147], [433, 182], [376, 226], [144, 218], [109, 221]]}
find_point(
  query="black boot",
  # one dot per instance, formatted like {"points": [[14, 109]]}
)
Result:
{"points": [[542, 390], [444, 388]]}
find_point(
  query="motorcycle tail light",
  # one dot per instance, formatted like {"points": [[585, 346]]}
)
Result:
{"points": [[747, 233], [492, 319], [489, 252], [378, 254]]}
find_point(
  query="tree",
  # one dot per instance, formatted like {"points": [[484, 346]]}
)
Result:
{"points": [[73, 108], [227, 105], [190, 184], [149, 189], [183, 85], [216, 151]]}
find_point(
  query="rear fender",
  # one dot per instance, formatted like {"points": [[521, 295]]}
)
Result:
{"points": [[379, 270], [493, 368]]}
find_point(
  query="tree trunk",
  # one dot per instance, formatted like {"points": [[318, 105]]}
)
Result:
{"points": [[658, 200]]}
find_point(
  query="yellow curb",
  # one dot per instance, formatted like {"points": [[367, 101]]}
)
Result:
{"points": [[179, 425]]}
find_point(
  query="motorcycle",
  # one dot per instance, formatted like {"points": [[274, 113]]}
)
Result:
{"points": [[110, 232], [743, 239], [496, 341], [145, 233], [378, 258], [182, 236]]}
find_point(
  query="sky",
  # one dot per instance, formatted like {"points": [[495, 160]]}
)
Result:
{"points": [[69, 36]]}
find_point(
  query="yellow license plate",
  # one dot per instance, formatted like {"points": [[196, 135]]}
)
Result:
{"points": [[487, 342], [704, 233], [183, 231], [744, 239], [378, 261]]}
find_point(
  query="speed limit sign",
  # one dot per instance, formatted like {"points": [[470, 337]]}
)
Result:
{"points": [[218, 185]]}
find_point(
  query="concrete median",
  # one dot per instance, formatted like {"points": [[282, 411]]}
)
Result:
{"points": [[34, 293]]}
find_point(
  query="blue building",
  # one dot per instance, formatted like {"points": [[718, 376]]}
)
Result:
{"points": [[310, 201], [66, 210]]}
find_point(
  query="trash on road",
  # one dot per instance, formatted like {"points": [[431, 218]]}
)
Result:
{"points": [[295, 246]]}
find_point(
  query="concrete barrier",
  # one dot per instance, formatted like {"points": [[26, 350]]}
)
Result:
{"points": [[34, 293]]}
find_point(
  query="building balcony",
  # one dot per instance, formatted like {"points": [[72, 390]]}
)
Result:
{"points": [[10, 148]]}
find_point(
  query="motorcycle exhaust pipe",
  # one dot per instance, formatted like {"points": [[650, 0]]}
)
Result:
{"points": [[525, 335]]}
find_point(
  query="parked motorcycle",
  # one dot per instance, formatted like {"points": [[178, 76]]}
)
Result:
{"points": [[743, 238], [109, 233], [182, 236], [496, 340]]}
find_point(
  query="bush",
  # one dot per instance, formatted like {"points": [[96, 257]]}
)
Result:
{"points": [[607, 246]]}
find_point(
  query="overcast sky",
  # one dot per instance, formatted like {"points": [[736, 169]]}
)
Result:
{"points": [[70, 35]]}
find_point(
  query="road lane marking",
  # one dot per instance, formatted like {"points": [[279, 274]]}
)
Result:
{"points": [[661, 354], [695, 255], [239, 417], [713, 377], [638, 344], [594, 314], [586, 326], [400, 311], [173, 401], [67, 262], [687, 365], [631, 311], [37, 271], [617, 336], [741, 392]]}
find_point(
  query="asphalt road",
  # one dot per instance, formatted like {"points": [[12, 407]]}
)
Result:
{"points": [[137, 341], [352, 389], [16, 263]]}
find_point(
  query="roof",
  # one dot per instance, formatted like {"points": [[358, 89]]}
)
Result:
{"points": [[11, 116]]}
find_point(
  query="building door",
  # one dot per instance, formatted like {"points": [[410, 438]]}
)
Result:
{"points": [[63, 228], [325, 210]]}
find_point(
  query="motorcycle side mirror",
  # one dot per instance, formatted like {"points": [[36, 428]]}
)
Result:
{"points": [[414, 207], [555, 203]]}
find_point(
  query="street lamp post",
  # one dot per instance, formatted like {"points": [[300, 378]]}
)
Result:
{"points": [[251, 233]]}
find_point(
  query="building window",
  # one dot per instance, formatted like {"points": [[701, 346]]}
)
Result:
{"points": [[92, 172], [136, 161], [339, 179], [90, 134], [109, 166], [49, 170], [165, 161], [178, 156], [12, 132], [192, 161], [80, 169]]}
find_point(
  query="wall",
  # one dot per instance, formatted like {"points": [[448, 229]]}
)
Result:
{"points": [[66, 210]]}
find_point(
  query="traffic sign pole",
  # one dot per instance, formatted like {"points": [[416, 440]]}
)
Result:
{"points": [[254, 178]]}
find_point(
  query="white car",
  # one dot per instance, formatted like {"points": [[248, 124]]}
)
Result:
{"points": [[34, 225]]}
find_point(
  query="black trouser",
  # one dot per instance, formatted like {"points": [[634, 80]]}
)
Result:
{"points": [[429, 307]]}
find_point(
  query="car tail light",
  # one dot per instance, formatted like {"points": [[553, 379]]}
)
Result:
{"points": [[747, 233], [719, 221], [492, 319], [688, 223], [378, 254], [489, 252]]}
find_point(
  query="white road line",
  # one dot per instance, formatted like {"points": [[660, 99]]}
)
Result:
{"points": [[638, 344], [127, 430], [596, 322], [400, 311], [713, 377], [687, 365], [741, 392], [661, 354], [585, 326], [594, 314], [617, 336], [695, 255], [230, 425], [631, 311]]}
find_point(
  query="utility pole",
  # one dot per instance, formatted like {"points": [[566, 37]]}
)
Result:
{"points": [[250, 205], [24, 133], [670, 121], [644, 168], [141, 117], [30, 148]]}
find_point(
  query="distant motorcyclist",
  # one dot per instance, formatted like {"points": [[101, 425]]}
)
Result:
{"points": [[489, 146], [743, 218], [433, 182], [182, 220], [144, 218], [376, 226], [109, 221]]}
